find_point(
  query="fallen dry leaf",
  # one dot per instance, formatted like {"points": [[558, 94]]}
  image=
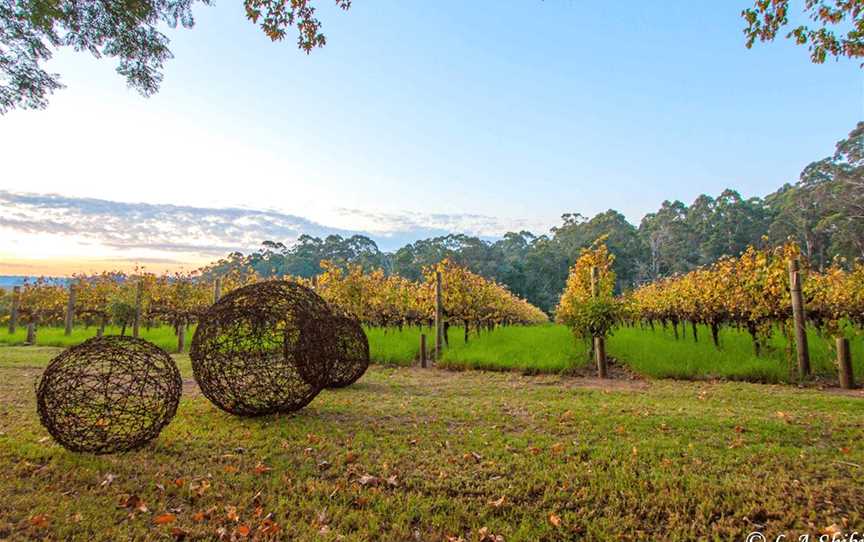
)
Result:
{"points": [[368, 480], [498, 503], [40, 521], [555, 520], [133, 502], [165, 518], [268, 527]]}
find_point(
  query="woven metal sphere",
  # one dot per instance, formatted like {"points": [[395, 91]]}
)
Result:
{"points": [[351, 358], [263, 348], [108, 394]]}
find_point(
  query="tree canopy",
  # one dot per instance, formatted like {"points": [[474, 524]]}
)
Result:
{"points": [[837, 28], [127, 30]]}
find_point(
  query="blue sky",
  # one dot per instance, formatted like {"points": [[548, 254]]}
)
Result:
{"points": [[422, 117]]}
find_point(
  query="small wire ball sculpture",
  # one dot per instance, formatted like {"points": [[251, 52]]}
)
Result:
{"points": [[264, 348], [351, 358], [108, 394]]}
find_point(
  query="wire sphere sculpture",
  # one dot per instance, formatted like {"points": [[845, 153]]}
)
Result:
{"points": [[108, 394], [351, 357], [264, 348]]}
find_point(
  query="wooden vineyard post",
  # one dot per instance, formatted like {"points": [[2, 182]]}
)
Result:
{"points": [[799, 319], [599, 341], [600, 356], [181, 338], [13, 318], [70, 311], [844, 364], [217, 290], [423, 350], [439, 317], [139, 298], [31, 333]]}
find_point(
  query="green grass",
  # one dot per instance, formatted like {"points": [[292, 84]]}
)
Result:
{"points": [[658, 354], [466, 453], [394, 346], [529, 349], [163, 336], [552, 349]]}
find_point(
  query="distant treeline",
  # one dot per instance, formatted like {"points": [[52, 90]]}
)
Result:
{"points": [[823, 211]]}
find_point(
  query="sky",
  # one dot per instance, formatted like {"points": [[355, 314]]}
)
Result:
{"points": [[416, 119]]}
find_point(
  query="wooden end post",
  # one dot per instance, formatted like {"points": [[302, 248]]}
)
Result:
{"points": [[423, 350], [217, 290], [844, 364], [599, 341], [600, 356], [139, 299], [799, 319], [70, 311], [181, 338], [16, 301], [439, 317]]}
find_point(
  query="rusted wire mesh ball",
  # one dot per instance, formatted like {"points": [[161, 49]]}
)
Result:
{"points": [[108, 394], [351, 356], [263, 348]]}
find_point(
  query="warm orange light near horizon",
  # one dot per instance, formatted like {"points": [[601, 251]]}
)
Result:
{"points": [[57, 255], [65, 268]]}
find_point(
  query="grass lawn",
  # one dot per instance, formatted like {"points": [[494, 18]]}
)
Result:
{"points": [[412, 454]]}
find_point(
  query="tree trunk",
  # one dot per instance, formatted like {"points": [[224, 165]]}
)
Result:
{"points": [[757, 347]]}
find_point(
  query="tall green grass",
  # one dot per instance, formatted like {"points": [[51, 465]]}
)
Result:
{"points": [[161, 336], [394, 346], [658, 354], [552, 349], [528, 349]]}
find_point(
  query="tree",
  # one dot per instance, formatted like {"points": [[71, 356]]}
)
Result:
{"points": [[123, 29], [824, 38], [670, 240]]}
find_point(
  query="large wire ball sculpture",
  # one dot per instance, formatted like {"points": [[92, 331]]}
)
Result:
{"points": [[351, 357], [263, 348], [108, 394]]}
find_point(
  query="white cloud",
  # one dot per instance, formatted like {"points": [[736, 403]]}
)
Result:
{"points": [[51, 226]]}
